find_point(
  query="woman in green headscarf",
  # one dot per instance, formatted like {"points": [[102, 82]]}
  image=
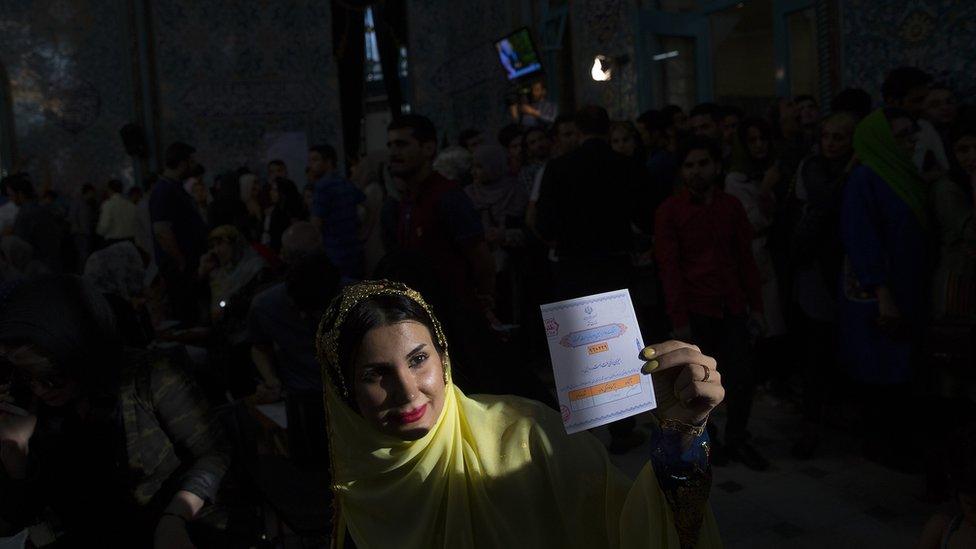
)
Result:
{"points": [[883, 228], [416, 463]]}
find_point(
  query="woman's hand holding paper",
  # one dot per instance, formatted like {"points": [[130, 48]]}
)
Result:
{"points": [[687, 383]]}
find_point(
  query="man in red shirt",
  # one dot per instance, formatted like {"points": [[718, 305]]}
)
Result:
{"points": [[703, 244], [436, 218], [437, 245]]}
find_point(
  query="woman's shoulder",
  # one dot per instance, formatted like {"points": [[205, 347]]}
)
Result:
{"points": [[514, 408], [862, 173], [736, 178], [739, 185], [541, 425]]}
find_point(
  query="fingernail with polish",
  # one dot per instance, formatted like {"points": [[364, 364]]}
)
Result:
{"points": [[650, 366], [647, 353]]}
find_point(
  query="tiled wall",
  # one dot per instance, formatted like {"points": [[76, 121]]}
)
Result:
{"points": [[70, 86], [466, 87], [935, 35], [231, 72], [605, 27], [228, 73], [456, 78]]}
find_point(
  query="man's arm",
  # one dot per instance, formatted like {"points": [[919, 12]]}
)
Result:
{"points": [[546, 211], [863, 243], [167, 241], [262, 344], [645, 197], [319, 205], [482, 263], [667, 252], [103, 219], [263, 357], [466, 231], [748, 270]]}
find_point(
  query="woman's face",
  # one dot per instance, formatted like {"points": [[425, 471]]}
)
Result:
{"points": [[273, 191], [200, 192], [680, 121], [836, 139], [730, 125], [622, 141], [788, 116], [224, 250], [398, 380], [515, 151], [808, 112], [940, 106], [965, 151], [538, 91], [52, 390], [758, 145], [309, 196], [906, 134], [477, 172]]}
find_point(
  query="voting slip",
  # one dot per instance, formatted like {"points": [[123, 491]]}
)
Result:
{"points": [[595, 346]]}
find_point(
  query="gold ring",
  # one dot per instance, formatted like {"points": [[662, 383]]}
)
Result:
{"points": [[708, 373]]}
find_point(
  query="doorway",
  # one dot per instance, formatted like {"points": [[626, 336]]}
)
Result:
{"points": [[736, 52]]}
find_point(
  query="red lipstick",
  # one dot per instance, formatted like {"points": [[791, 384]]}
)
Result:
{"points": [[411, 416]]}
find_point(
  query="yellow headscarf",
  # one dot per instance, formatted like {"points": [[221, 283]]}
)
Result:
{"points": [[494, 471]]}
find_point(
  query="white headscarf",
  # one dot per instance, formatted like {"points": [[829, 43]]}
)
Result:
{"points": [[17, 259], [453, 162], [117, 270], [247, 182]]}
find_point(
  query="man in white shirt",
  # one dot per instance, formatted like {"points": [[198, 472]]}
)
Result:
{"points": [[119, 219], [907, 88]]}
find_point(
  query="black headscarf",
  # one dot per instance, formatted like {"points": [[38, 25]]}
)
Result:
{"points": [[70, 322], [289, 207]]}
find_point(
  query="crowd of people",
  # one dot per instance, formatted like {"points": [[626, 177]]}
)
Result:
{"points": [[828, 259]]}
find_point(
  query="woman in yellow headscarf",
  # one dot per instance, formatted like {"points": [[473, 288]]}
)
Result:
{"points": [[416, 463]]}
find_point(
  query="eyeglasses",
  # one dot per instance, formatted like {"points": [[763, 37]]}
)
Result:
{"points": [[18, 367]]}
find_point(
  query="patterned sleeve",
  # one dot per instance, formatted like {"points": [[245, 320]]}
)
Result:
{"points": [[185, 415], [685, 477]]}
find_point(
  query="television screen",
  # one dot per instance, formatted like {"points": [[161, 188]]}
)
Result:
{"points": [[517, 55]]}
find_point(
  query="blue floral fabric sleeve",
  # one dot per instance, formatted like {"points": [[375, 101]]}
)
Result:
{"points": [[685, 477]]}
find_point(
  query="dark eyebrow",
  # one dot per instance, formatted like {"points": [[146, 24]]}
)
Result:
{"points": [[416, 350], [383, 365]]}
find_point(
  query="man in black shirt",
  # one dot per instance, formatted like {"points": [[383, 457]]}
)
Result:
{"points": [[588, 200], [180, 234]]}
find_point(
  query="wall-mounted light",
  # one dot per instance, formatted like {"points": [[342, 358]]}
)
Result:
{"points": [[605, 65], [602, 69], [665, 55]]}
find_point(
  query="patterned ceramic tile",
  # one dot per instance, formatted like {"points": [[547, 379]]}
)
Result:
{"points": [[227, 72], [605, 27], [232, 71], [456, 76], [68, 63], [935, 35]]}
